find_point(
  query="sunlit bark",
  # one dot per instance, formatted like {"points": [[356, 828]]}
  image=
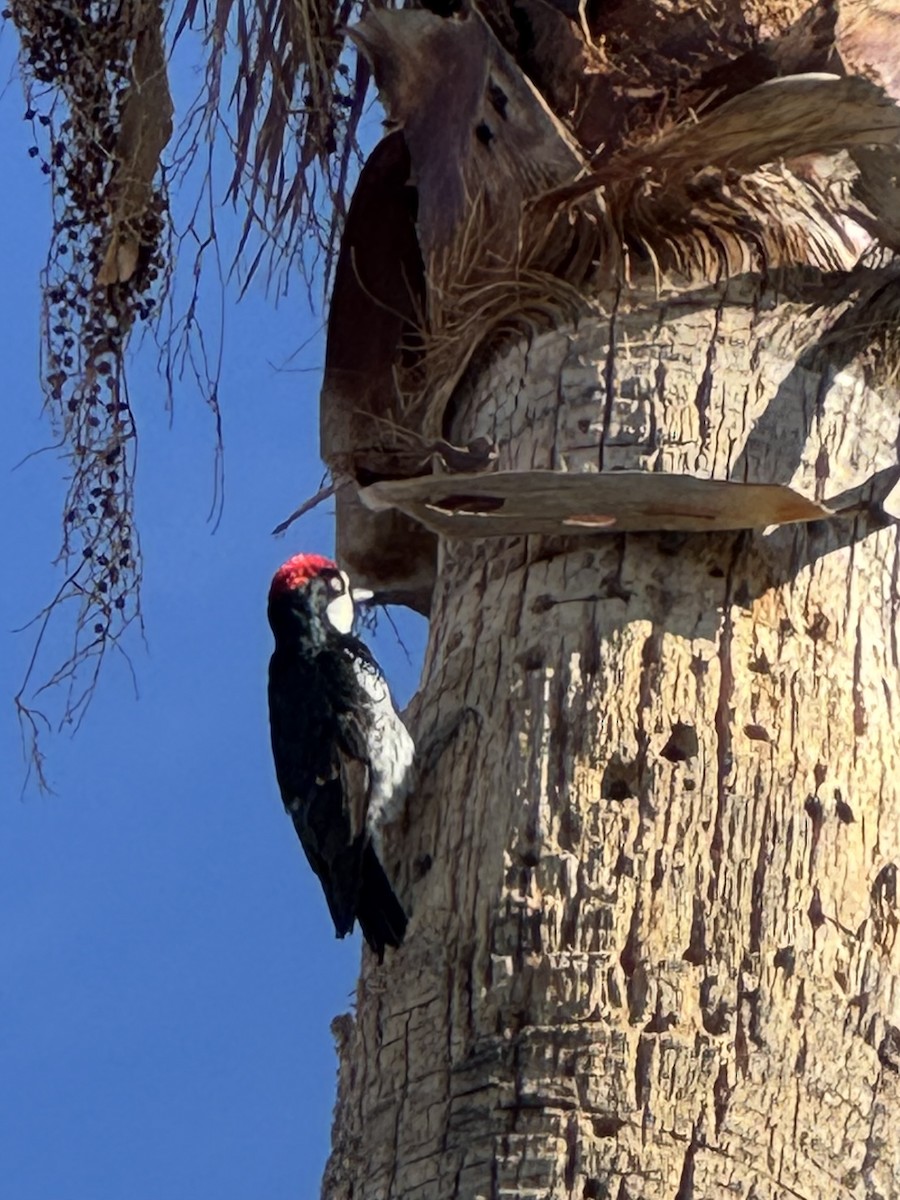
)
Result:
{"points": [[653, 950]]}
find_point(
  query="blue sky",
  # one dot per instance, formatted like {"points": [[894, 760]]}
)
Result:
{"points": [[168, 970]]}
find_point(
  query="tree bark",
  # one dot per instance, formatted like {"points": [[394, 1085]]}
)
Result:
{"points": [[652, 863]]}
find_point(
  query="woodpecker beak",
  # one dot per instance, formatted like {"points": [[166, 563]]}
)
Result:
{"points": [[361, 595]]}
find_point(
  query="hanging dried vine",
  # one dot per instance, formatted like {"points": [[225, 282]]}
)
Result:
{"points": [[97, 95], [99, 103], [293, 104]]}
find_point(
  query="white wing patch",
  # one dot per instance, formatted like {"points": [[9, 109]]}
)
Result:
{"points": [[392, 754]]}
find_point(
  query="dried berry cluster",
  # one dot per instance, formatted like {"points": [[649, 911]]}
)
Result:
{"points": [[77, 64]]}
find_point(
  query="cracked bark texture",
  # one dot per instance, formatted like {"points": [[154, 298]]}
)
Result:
{"points": [[652, 864]]}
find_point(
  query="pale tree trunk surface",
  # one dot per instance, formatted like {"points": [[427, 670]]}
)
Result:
{"points": [[654, 947]]}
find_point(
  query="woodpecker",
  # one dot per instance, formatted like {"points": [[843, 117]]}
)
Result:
{"points": [[343, 758]]}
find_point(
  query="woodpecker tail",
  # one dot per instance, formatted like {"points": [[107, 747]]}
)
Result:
{"points": [[378, 910]]}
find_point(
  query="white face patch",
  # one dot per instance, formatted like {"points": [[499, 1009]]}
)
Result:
{"points": [[339, 611]]}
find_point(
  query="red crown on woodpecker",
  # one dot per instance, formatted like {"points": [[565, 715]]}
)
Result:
{"points": [[298, 571]]}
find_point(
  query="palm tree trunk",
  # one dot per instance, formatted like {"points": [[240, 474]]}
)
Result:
{"points": [[654, 881]]}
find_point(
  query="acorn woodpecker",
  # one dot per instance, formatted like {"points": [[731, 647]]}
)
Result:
{"points": [[343, 757]]}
